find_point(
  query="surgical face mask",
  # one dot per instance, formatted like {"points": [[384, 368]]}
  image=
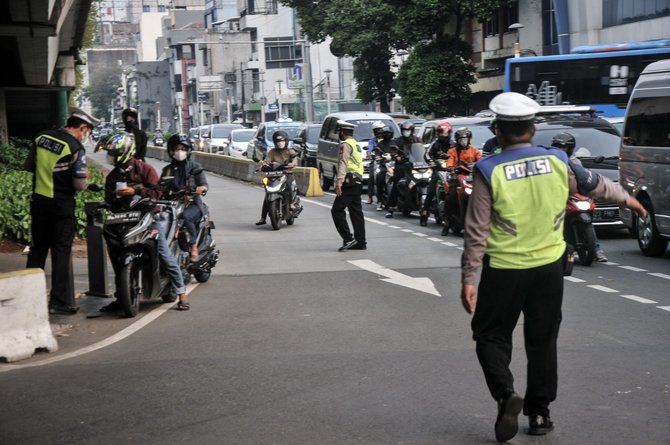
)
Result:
{"points": [[180, 155], [406, 133], [281, 144], [463, 142]]}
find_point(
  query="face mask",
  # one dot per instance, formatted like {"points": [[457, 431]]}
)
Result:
{"points": [[406, 133], [463, 142], [180, 155], [281, 145], [111, 160]]}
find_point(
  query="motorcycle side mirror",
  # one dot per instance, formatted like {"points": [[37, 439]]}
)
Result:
{"points": [[298, 140]]}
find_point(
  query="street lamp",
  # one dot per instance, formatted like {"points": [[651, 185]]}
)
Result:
{"points": [[328, 87], [517, 47]]}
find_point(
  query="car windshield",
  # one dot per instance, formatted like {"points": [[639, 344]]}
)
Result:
{"points": [[292, 131], [221, 132], [480, 134], [363, 130], [313, 134], [590, 141], [242, 135]]}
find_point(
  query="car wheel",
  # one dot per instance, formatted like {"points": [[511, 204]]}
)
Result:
{"points": [[648, 239]]}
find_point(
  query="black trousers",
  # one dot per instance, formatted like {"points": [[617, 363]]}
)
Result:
{"points": [[349, 199], [432, 191], [502, 296], [53, 228]]}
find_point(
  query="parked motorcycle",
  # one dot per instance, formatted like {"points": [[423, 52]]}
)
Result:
{"points": [[278, 194], [413, 187], [457, 185], [578, 228], [132, 239]]}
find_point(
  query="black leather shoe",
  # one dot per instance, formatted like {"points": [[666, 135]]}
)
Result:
{"points": [[58, 309], [358, 246], [260, 222], [507, 422], [111, 307], [539, 425], [445, 231]]}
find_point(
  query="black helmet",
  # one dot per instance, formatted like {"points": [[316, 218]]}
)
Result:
{"points": [[377, 128], [564, 141], [279, 134], [387, 133], [463, 132], [129, 112], [407, 125], [179, 139]]}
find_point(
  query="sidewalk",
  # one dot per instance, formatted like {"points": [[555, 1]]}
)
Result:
{"points": [[88, 326]]}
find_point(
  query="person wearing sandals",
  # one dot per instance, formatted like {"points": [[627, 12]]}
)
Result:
{"points": [[140, 179]]}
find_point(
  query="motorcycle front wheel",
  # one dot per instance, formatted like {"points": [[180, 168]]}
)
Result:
{"points": [[586, 244], [275, 214], [130, 288]]}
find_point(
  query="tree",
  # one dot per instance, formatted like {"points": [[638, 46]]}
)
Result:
{"points": [[102, 89], [370, 31]]}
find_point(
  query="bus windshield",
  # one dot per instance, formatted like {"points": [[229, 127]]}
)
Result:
{"points": [[603, 80]]}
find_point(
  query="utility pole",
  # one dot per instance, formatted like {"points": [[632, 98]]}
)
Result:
{"points": [[278, 99], [328, 87], [309, 103], [244, 113]]}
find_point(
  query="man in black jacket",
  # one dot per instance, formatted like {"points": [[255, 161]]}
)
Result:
{"points": [[129, 117]]}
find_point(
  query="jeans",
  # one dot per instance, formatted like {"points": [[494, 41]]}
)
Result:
{"points": [[191, 215], [167, 258]]}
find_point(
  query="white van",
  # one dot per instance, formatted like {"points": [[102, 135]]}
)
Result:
{"points": [[329, 143], [644, 165]]}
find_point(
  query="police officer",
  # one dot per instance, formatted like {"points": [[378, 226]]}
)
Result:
{"points": [[514, 229], [348, 190], [58, 161], [129, 118]]}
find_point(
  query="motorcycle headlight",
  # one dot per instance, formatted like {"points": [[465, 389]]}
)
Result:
{"points": [[583, 205], [468, 191]]}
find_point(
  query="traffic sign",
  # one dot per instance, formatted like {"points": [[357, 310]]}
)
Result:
{"points": [[296, 76]]}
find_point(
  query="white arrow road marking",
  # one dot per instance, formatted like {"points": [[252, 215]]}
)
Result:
{"points": [[422, 284]]}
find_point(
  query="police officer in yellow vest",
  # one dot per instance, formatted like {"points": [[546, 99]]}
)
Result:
{"points": [[514, 228], [58, 161], [348, 189]]}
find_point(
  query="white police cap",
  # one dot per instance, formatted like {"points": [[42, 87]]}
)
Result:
{"points": [[344, 125], [514, 107], [81, 114]]}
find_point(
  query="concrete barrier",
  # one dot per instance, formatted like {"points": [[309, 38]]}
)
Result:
{"points": [[307, 178], [24, 315]]}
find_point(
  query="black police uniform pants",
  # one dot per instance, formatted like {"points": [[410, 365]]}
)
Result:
{"points": [[502, 296], [349, 199], [53, 228]]}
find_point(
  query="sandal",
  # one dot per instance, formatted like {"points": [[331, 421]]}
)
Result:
{"points": [[183, 306]]}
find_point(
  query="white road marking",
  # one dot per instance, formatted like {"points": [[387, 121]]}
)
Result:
{"points": [[665, 308], [419, 234], [407, 230], [609, 263], [447, 243], [437, 240], [634, 269], [601, 288], [422, 284], [574, 279], [639, 299], [660, 275], [395, 227]]}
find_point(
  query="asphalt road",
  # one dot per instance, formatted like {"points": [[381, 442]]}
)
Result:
{"points": [[292, 342]]}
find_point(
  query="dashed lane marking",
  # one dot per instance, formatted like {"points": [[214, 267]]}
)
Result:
{"points": [[634, 269], [574, 279], [665, 308], [660, 275], [407, 230], [447, 243], [601, 288], [437, 240], [639, 299], [419, 234]]}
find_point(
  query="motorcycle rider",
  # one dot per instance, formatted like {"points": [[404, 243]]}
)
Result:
{"points": [[403, 166], [377, 127], [178, 175], [462, 153], [567, 143], [130, 177], [439, 149], [383, 152], [491, 146], [129, 118], [281, 153]]}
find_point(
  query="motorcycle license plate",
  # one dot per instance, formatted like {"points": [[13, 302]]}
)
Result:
{"points": [[605, 215], [123, 218], [273, 174]]}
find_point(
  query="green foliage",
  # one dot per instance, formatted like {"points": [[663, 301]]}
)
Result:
{"points": [[102, 89], [372, 30], [15, 191], [435, 76], [13, 155]]}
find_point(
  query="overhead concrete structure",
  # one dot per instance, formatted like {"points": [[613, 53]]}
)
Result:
{"points": [[40, 41]]}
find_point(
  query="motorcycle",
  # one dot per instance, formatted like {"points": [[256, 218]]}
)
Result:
{"points": [[159, 140], [457, 186], [208, 255], [413, 187], [130, 234], [578, 228], [278, 194]]}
